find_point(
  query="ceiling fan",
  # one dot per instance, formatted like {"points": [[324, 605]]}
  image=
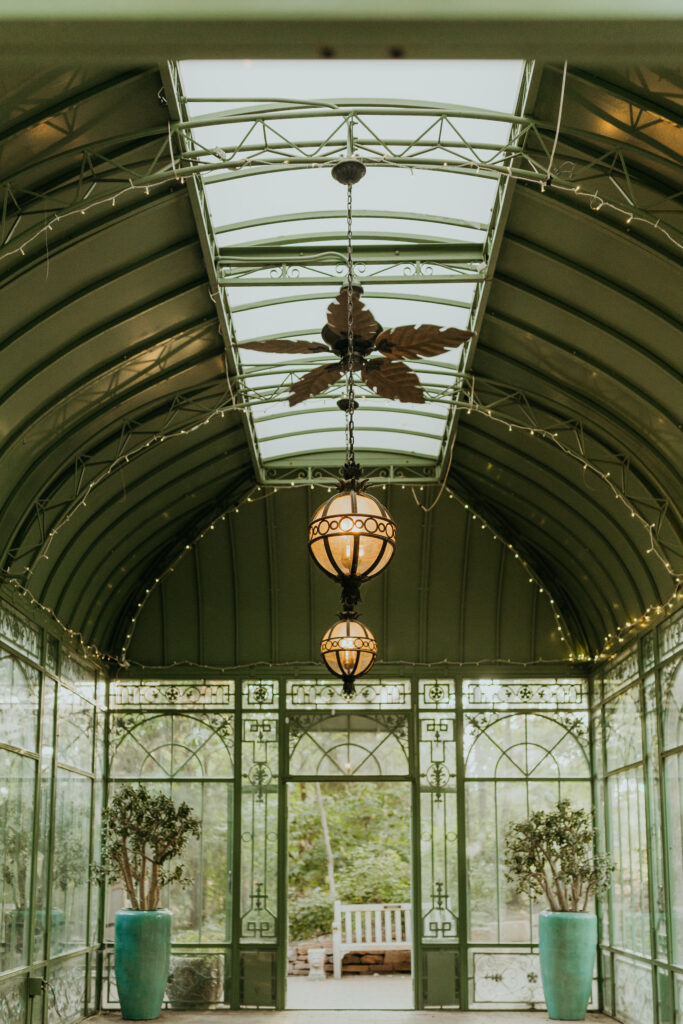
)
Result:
{"points": [[377, 354]]}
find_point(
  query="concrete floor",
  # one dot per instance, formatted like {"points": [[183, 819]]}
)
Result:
{"points": [[349, 1017], [384, 992]]}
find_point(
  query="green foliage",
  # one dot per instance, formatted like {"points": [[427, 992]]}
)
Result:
{"points": [[69, 860], [376, 876], [551, 853], [16, 851], [310, 914], [143, 831], [370, 838]]}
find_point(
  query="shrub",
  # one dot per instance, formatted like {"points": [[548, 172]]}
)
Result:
{"points": [[551, 853], [143, 832], [310, 915]]}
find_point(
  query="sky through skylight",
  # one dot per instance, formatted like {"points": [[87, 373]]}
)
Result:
{"points": [[279, 219]]}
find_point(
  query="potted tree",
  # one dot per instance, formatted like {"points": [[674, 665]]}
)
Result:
{"points": [[143, 831], [550, 854]]}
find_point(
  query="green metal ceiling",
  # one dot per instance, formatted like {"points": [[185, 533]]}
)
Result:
{"points": [[584, 319], [152, 30], [245, 596], [109, 340]]}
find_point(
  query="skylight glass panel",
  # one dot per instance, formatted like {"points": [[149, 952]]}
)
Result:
{"points": [[433, 135]]}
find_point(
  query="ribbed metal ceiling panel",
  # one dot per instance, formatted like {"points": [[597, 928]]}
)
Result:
{"points": [[584, 320], [248, 595], [109, 340]]}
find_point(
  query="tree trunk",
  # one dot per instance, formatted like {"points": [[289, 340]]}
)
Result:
{"points": [[326, 841]]}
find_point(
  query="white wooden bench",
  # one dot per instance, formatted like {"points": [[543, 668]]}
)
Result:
{"points": [[369, 927]]}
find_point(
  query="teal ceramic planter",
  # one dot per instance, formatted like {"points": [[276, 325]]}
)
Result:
{"points": [[567, 944], [142, 952]]}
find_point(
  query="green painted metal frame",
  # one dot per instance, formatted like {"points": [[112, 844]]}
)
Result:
{"points": [[661, 962], [286, 713], [73, 30], [43, 966]]}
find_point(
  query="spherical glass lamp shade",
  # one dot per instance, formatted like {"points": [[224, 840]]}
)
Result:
{"points": [[352, 536], [349, 650]]}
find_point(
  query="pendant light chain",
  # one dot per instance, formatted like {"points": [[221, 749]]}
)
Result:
{"points": [[350, 399]]}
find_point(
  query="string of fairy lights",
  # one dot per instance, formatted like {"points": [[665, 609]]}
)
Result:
{"points": [[177, 175], [145, 185], [469, 402], [260, 493], [81, 500], [471, 405]]}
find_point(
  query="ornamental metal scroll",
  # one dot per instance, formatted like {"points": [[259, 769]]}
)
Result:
{"points": [[172, 693], [259, 820], [525, 693], [19, 631], [345, 745], [171, 746], [438, 824], [376, 693]]}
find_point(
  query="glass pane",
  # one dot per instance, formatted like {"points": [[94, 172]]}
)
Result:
{"points": [[44, 825], [71, 860], [200, 908], [19, 698], [671, 635], [75, 729], [17, 779], [68, 983], [190, 745], [19, 632], [80, 675], [621, 672], [282, 289], [633, 991], [656, 846], [628, 845], [346, 745], [328, 693], [623, 733], [13, 1001], [672, 704], [674, 796], [521, 762]]}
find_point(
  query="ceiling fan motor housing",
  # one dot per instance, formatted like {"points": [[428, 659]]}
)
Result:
{"points": [[348, 172]]}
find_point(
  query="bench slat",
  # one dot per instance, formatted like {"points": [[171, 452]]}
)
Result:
{"points": [[369, 926]]}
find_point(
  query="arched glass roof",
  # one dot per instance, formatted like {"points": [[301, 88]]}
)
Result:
{"points": [[424, 217]]}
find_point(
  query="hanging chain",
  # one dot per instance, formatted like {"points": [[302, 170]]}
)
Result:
{"points": [[350, 400]]}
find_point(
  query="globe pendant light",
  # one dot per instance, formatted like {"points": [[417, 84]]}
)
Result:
{"points": [[352, 536], [349, 650]]}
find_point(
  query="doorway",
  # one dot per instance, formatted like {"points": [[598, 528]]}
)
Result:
{"points": [[349, 895]]}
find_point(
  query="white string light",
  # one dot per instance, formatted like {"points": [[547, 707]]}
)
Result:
{"points": [[125, 457], [82, 210], [178, 175], [531, 573], [551, 434]]}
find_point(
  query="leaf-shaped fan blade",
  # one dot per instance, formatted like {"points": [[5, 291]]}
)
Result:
{"points": [[365, 326], [391, 378], [424, 340], [314, 383], [285, 346]]}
